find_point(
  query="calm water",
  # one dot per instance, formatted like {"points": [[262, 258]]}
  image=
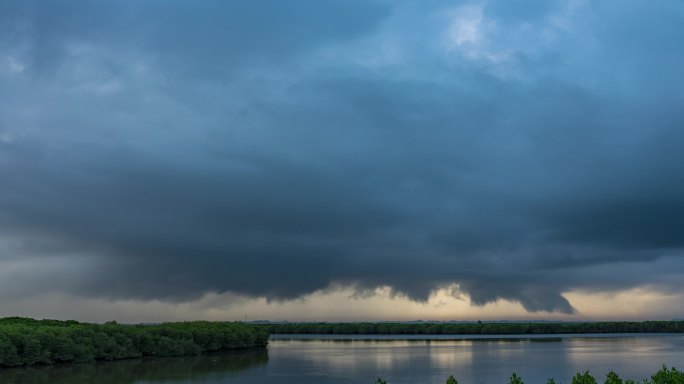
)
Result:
{"points": [[311, 359]]}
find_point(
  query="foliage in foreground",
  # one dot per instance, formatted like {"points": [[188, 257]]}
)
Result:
{"points": [[27, 342], [663, 376]]}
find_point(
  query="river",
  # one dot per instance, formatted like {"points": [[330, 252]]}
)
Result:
{"points": [[398, 359]]}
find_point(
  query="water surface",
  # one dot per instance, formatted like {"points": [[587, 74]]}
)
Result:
{"points": [[399, 359]]}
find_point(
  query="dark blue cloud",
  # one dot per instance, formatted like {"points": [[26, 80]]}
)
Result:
{"points": [[273, 149]]}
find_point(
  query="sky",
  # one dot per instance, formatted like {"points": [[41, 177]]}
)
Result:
{"points": [[342, 160]]}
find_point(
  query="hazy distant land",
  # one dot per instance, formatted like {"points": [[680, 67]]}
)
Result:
{"points": [[476, 328]]}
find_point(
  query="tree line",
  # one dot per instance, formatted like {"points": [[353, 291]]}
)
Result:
{"points": [[475, 328], [26, 341]]}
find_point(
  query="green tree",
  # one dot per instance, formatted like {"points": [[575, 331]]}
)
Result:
{"points": [[515, 379], [613, 378], [33, 352], [8, 353], [584, 378], [665, 376]]}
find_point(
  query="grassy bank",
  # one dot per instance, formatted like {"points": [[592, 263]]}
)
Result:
{"points": [[27, 342], [479, 328], [663, 376]]}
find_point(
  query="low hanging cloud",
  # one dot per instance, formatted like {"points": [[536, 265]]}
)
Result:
{"points": [[168, 150]]}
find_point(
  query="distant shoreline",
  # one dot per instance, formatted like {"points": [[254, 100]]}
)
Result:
{"points": [[456, 337], [479, 328]]}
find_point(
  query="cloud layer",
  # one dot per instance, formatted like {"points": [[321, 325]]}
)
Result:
{"points": [[168, 150]]}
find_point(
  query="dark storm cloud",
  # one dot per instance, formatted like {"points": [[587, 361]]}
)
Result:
{"points": [[166, 150], [198, 40]]}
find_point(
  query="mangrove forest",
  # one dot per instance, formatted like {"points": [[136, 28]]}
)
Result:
{"points": [[28, 342]]}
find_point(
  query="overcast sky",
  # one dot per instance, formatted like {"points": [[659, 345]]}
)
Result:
{"points": [[341, 159]]}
